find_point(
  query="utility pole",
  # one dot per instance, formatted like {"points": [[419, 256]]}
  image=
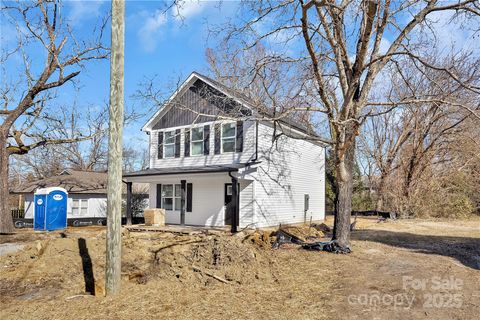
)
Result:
{"points": [[114, 187]]}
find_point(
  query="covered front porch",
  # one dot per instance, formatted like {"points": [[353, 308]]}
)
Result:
{"points": [[210, 196]]}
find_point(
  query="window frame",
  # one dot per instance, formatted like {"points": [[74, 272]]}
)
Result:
{"points": [[197, 141], [234, 137], [82, 204], [165, 144], [173, 197]]}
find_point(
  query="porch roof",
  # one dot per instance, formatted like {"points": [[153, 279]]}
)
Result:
{"points": [[183, 170]]}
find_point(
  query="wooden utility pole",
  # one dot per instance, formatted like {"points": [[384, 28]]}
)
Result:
{"points": [[114, 187]]}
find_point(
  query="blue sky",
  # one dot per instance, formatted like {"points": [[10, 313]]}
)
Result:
{"points": [[168, 46], [163, 45], [156, 44]]}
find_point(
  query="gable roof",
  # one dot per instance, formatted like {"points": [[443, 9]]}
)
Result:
{"points": [[230, 93], [199, 103], [72, 180]]}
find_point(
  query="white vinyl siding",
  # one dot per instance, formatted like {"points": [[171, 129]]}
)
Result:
{"points": [[205, 160], [207, 198], [272, 193], [247, 203], [286, 173]]}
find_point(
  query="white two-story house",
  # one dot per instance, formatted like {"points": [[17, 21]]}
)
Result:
{"points": [[214, 161]]}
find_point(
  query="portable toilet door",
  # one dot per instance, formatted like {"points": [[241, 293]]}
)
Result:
{"points": [[50, 209], [56, 211], [40, 201]]}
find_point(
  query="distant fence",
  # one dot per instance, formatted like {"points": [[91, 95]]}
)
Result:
{"points": [[383, 214], [18, 213], [367, 213]]}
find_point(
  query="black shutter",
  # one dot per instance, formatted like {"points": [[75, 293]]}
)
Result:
{"points": [[218, 127], [177, 143], [189, 197], [187, 143], [206, 140], [239, 144], [160, 146], [183, 193], [159, 196]]}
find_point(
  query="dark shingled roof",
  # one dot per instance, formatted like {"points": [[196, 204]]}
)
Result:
{"points": [[268, 113], [71, 180], [185, 170]]}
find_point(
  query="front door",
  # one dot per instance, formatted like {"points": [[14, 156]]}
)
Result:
{"points": [[229, 208]]}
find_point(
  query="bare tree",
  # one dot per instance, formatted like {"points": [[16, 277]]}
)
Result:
{"points": [[88, 155], [439, 178], [409, 137], [134, 159], [25, 100], [338, 51], [382, 141]]}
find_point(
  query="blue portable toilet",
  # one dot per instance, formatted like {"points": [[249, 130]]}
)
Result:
{"points": [[50, 210]]}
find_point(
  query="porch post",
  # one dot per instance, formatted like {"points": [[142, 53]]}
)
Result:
{"points": [[183, 193], [235, 215], [129, 203]]}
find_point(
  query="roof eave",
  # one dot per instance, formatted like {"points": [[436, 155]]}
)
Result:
{"points": [[149, 124], [189, 170], [186, 84]]}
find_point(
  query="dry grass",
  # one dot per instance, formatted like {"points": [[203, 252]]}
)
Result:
{"points": [[47, 278]]}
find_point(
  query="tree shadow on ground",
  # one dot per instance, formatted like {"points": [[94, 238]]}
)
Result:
{"points": [[87, 266], [464, 249]]}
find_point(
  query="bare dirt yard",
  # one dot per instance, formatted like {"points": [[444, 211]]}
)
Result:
{"points": [[406, 269]]}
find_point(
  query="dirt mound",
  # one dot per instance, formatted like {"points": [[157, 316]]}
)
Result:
{"points": [[195, 259], [73, 261], [322, 227], [304, 233], [218, 278], [265, 238], [261, 238], [78, 260]]}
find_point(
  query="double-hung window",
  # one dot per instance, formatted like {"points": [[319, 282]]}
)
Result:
{"points": [[229, 131], [171, 197], [197, 141], [79, 207], [169, 144]]}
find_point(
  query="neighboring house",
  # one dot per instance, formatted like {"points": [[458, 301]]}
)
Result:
{"points": [[87, 193], [214, 162]]}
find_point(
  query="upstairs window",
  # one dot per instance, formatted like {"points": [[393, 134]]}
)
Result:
{"points": [[169, 144], [229, 133], [197, 141]]}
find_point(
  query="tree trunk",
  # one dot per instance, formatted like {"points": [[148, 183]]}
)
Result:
{"points": [[344, 169], [379, 203], [407, 185], [380, 196], [6, 220]]}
